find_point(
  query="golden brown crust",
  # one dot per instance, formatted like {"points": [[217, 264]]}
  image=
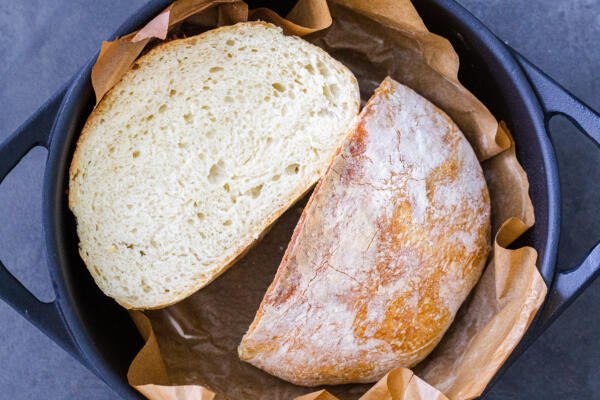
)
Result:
{"points": [[389, 246]]}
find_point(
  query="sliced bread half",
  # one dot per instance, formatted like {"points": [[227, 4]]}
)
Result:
{"points": [[197, 151]]}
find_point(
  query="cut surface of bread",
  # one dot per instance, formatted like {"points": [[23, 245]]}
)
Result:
{"points": [[196, 151], [390, 244]]}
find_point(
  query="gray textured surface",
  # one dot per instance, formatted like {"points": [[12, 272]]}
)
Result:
{"points": [[43, 42]]}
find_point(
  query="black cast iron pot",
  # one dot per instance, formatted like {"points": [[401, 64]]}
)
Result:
{"points": [[101, 335]]}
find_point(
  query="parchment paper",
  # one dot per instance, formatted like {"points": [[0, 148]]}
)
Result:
{"points": [[190, 351]]}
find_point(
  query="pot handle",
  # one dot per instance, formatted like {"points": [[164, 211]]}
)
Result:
{"points": [[555, 100], [45, 316]]}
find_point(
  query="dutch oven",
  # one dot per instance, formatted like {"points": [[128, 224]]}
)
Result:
{"points": [[100, 334]]}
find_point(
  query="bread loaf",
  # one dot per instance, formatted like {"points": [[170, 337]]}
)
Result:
{"points": [[196, 151], [390, 244]]}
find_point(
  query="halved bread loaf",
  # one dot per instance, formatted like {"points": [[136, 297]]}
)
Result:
{"points": [[390, 244], [196, 151]]}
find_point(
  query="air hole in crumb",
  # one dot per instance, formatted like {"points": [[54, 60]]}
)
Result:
{"points": [[200, 216], [205, 87], [187, 117], [216, 173], [162, 108], [233, 199], [322, 69], [210, 134], [205, 107], [142, 253], [275, 178], [229, 55], [326, 92], [278, 86], [182, 145], [228, 99], [292, 169], [269, 140], [226, 187], [150, 117], [230, 42], [135, 154], [96, 271], [129, 246], [267, 98], [215, 69], [255, 191], [172, 92], [135, 66], [333, 88], [129, 206], [227, 222], [309, 68]]}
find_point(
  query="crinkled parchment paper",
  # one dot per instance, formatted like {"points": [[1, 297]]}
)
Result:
{"points": [[191, 347]]}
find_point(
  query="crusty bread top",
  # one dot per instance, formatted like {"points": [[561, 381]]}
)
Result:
{"points": [[388, 247], [196, 151]]}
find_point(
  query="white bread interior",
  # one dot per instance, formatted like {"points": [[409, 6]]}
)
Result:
{"points": [[197, 151]]}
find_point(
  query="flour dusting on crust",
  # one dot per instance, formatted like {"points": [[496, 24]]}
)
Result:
{"points": [[389, 246]]}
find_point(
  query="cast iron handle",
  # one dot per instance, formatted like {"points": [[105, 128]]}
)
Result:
{"points": [[555, 100], [45, 316]]}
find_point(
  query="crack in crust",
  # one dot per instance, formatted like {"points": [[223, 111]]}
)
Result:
{"points": [[390, 244]]}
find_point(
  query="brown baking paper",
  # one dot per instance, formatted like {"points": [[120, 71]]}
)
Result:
{"points": [[117, 57], [191, 347]]}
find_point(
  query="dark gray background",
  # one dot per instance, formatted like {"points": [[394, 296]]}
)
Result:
{"points": [[43, 42]]}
